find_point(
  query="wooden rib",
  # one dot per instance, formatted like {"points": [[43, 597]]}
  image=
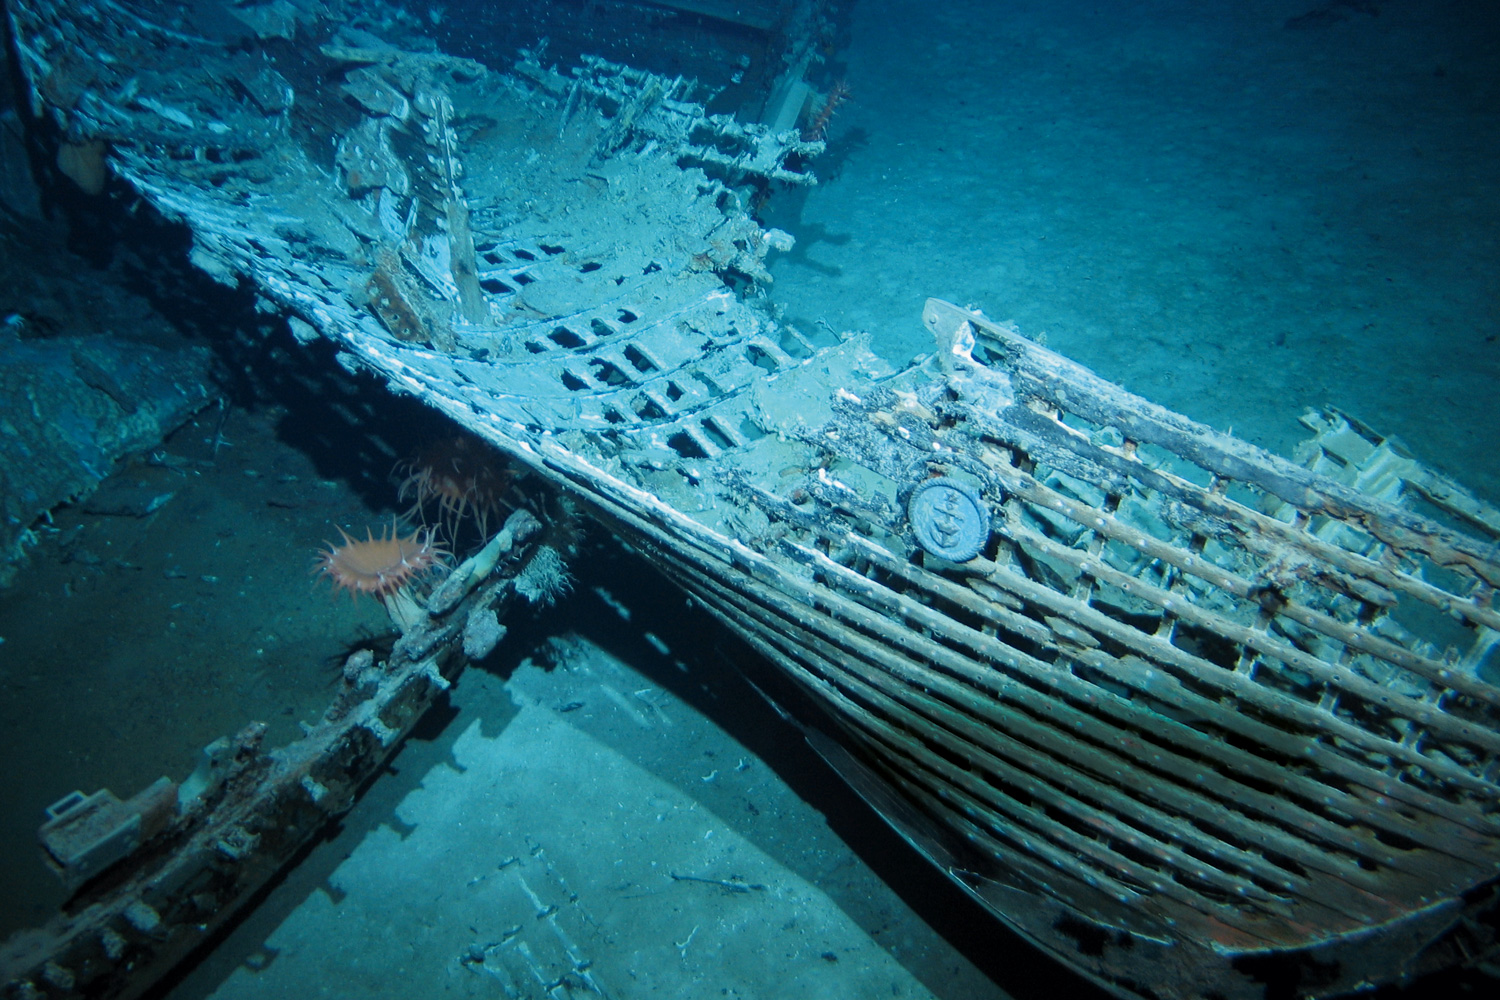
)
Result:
{"points": [[1146, 763], [1239, 685], [1283, 743], [810, 652], [1041, 374], [1051, 433], [765, 582], [1092, 519]]}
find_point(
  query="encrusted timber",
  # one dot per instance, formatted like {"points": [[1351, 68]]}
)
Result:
{"points": [[1044, 379], [535, 395], [811, 638], [860, 435], [1049, 387], [786, 617], [1255, 817], [1425, 711], [1043, 434], [649, 112], [1142, 958], [824, 651], [307, 266], [1068, 626], [1050, 438], [154, 88], [1346, 449], [129, 927], [649, 423], [416, 91]]}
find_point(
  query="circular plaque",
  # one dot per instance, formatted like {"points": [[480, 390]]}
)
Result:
{"points": [[949, 519]]}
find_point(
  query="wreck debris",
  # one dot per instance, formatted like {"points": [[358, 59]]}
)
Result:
{"points": [[1136, 626], [85, 834], [649, 113], [1190, 717], [158, 874]]}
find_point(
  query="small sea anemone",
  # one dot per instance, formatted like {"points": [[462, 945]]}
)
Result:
{"points": [[464, 477], [380, 566]]}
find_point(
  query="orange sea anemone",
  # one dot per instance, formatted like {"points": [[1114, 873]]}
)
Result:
{"points": [[380, 566], [464, 477]]}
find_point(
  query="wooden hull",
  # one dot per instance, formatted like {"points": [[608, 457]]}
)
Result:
{"points": [[1192, 718]]}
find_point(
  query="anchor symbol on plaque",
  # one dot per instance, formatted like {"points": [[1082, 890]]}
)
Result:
{"points": [[949, 518]]}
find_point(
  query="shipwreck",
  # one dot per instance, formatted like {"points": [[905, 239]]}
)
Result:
{"points": [[1190, 717]]}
